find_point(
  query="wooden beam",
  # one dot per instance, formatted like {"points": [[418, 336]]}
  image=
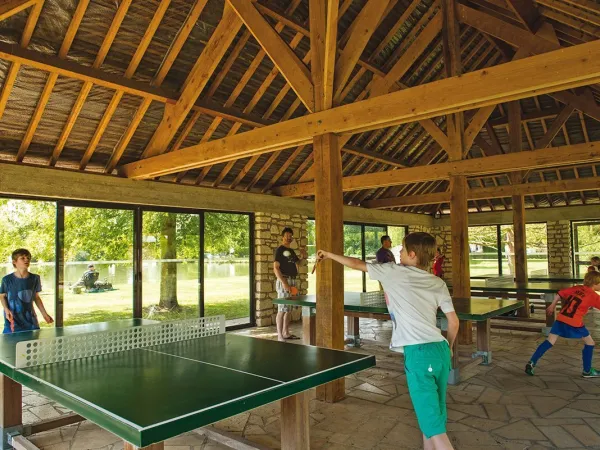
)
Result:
{"points": [[12, 7], [553, 71], [329, 236], [520, 249], [527, 13], [323, 37], [364, 26], [527, 189], [554, 129], [288, 63], [206, 64], [510, 162]]}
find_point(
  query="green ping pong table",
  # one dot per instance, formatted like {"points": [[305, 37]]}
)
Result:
{"points": [[146, 381], [372, 305]]}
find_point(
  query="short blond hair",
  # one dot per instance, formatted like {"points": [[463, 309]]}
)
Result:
{"points": [[591, 279], [423, 245]]}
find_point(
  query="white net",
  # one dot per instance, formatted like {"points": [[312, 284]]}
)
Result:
{"points": [[47, 351], [373, 298]]}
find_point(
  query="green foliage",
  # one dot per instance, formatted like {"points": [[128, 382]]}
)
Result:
{"points": [[587, 237], [98, 234], [186, 236], [28, 224], [223, 231], [352, 241]]}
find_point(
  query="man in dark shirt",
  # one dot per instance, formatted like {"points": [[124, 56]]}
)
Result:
{"points": [[384, 254], [285, 266]]}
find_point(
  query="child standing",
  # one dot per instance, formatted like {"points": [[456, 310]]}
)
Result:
{"points": [[595, 264], [18, 292], [413, 296], [576, 301]]}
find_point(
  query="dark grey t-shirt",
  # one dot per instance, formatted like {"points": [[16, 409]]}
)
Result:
{"points": [[286, 257]]}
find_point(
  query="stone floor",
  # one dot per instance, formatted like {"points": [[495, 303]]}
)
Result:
{"points": [[494, 407]]}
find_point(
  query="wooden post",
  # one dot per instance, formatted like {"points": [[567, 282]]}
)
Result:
{"points": [[309, 326], [518, 203], [461, 284], [295, 421], [484, 333], [11, 412], [329, 236]]}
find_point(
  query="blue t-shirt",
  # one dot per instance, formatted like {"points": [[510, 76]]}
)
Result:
{"points": [[20, 294]]}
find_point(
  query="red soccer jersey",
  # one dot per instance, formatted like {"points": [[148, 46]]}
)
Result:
{"points": [[577, 300]]}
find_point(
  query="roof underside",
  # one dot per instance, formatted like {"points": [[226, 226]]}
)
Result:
{"points": [[246, 90]]}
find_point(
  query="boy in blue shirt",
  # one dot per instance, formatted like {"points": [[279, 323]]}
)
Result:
{"points": [[18, 291], [413, 297]]}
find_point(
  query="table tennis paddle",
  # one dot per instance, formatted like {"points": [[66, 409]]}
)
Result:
{"points": [[293, 290], [315, 266]]}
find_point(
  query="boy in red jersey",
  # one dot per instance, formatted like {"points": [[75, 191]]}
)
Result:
{"points": [[576, 301]]}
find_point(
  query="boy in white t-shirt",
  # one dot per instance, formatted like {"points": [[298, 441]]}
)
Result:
{"points": [[413, 296]]}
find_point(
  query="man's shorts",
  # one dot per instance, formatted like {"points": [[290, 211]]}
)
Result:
{"points": [[567, 331], [427, 367], [282, 293]]}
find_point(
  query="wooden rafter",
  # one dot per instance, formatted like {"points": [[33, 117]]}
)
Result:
{"points": [[196, 81], [51, 81], [11, 7], [527, 13], [13, 71], [87, 85], [290, 66]]}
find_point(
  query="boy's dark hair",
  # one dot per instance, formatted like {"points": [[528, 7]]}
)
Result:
{"points": [[385, 238], [439, 250], [591, 279], [595, 260], [287, 230], [19, 252], [423, 244]]}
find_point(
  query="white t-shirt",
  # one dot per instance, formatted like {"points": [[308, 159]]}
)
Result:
{"points": [[413, 297]]}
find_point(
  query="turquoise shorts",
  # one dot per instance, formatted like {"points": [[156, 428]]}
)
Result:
{"points": [[427, 368]]}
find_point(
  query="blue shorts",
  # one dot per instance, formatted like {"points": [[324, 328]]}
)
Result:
{"points": [[567, 331]]}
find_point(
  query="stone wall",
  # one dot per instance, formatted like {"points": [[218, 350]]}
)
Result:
{"points": [[560, 255], [443, 240], [267, 235]]}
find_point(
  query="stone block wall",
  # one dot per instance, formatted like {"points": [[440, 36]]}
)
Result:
{"points": [[560, 255], [443, 240], [267, 234]]}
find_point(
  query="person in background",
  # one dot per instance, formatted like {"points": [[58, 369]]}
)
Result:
{"points": [[438, 263], [285, 267], [18, 291], [384, 254], [595, 264]]}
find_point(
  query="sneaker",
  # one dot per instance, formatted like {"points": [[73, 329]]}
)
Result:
{"points": [[529, 368], [593, 373]]}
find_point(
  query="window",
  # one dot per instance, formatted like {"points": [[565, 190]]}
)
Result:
{"points": [[397, 235], [492, 250], [170, 267], [372, 244], [586, 244], [30, 224], [311, 249], [353, 246], [98, 269], [227, 283]]}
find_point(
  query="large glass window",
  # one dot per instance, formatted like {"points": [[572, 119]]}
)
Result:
{"points": [[353, 279], [311, 249], [170, 268], [98, 270], [492, 250], [30, 224], [586, 244], [372, 244], [483, 251], [227, 267]]}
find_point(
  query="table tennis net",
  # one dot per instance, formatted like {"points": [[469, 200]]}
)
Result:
{"points": [[65, 348], [373, 298]]}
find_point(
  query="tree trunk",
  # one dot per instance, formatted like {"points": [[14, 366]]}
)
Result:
{"points": [[168, 269]]}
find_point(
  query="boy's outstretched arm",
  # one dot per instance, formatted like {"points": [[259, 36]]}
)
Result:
{"points": [[452, 327], [353, 263]]}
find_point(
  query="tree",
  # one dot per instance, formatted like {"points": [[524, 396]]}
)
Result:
{"points": [[168, 267]]}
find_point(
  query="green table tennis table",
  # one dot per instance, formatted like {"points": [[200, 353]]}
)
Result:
{"points": [[372, 305], [146, 381]]}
